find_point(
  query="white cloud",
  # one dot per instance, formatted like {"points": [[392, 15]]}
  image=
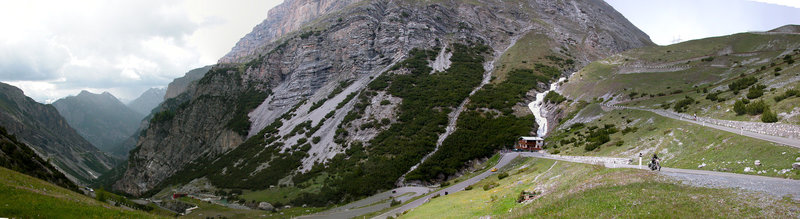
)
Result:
{"points": [[52, 48], [790, 3]]}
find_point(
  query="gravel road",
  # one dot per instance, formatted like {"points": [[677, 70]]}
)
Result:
{"points": [[769, 185], [455, 188], [772, 138]]}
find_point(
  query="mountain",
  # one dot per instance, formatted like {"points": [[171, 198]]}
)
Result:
{"points": [[42, 127], [356, 98], [100, 118], [17, 156], [281, 20], [179, 85], [148, 100]]}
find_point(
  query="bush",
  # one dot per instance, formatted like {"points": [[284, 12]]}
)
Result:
{"points": [[553, 97], [755, 92], [739, 107], [769, 117], [395, 202], [316, 139], [445, 183], [469, 187], [681, 106], [756, 108], [742, 83], [502, 175], [489, 186], [789, 93]]}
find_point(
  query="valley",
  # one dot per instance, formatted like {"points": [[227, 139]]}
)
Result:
{"points": [[424, 109]]}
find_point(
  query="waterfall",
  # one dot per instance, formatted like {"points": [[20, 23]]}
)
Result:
{"points": [[538, 111]]}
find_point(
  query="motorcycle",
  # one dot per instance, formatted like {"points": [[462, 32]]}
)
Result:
{"points": [[654, 165]]}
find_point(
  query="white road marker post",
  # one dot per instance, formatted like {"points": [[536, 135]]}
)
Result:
{"points": [[640, 160]]}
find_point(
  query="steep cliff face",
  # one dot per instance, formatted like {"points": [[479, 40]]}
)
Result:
{"points": [[148, 100], [100, 118], [179, 85], [289, 16], [307, 84], [41, 127]]}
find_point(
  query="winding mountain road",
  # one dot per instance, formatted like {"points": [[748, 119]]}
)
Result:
{"points": [[776, 139]]}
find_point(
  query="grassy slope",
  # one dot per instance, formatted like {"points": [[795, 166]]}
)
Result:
{"points": [[213, 210], [529, 49], [733, 55], [587, 191], [681, 144], [28, 197]]}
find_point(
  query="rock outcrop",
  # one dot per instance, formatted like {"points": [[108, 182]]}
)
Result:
{"points": [[310, 65], [281, 20], [42, 127], [179, 85]]}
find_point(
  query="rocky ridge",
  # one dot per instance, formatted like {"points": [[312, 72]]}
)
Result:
{"points": [[313, 74]]}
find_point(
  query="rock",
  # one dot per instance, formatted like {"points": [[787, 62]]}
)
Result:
{"points": [[757, 162], [797, 159], [701, 165], [265, 206], [748, 170], [796, 166]]}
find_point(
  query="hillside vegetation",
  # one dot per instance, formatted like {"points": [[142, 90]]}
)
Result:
{"points": [[28, 197], [706, 77]]}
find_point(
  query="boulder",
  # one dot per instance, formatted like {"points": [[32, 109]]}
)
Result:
{"points": [[797, 159], [757, 162], [265, 206], [748, 169], [796, 166], [701, 165]]}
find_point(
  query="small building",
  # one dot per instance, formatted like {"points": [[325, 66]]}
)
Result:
{"points": [[529, 143], [178, 195]]}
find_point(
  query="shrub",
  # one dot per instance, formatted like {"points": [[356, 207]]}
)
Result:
{"points": [[469, 187], [553, 97], [755, 92], [316, 139], [502, 175], [681, 106], [789, 93], [739, 107], [620, 143], [769, 117], [385, 102], [489, 186], [756, 108], [742, 83], [395, 202], [445, 183]]}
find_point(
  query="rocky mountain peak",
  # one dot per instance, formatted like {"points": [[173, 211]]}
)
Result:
{"points": [[282, 19]]}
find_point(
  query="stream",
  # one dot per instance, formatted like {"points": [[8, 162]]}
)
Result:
{"points": [[538, 111]]}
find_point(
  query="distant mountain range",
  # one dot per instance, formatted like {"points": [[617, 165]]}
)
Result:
{"points": [[100, 118], [47, 132], [148, 100]]}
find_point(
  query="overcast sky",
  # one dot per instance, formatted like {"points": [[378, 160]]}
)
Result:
{"points": [[55, 48]]}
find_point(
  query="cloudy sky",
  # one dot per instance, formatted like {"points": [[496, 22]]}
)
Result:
{"points": [[52, 48]]}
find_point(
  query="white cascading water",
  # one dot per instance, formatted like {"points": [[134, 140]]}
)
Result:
{"points": [[538, 111]]}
